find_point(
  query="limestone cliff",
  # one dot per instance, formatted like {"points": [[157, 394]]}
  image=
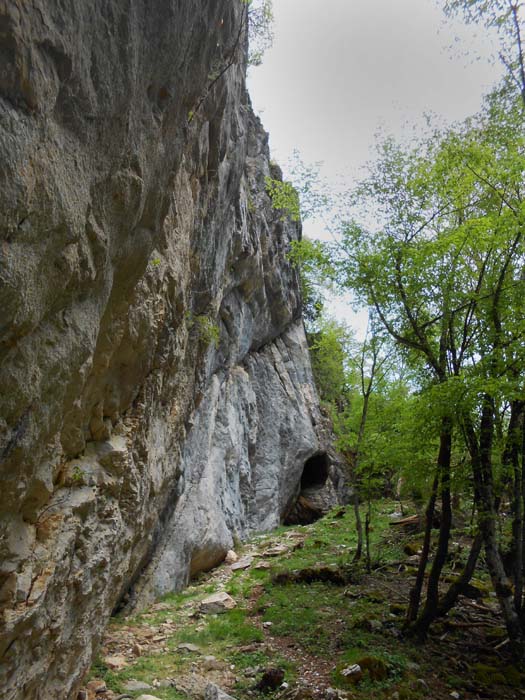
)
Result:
{"points": [[156, 398]]}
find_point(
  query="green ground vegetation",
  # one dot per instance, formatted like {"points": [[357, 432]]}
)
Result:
{"points": [[297, 624]]}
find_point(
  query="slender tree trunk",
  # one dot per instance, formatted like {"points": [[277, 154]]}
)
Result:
{"points": [[367, 535], [481, 454], [358, 527], [415, 592], [359, 447], [458, 587], [511, 458], [432, 600], [522, 607]]}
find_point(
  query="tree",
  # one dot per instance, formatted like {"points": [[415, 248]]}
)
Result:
{"points": [[372, 369], [251, 38], [508, 18], [443, 272], [331, 344], [316, 274], [260, 29]]}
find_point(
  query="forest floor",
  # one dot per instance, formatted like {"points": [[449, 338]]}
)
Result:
{"points": [[290, 636]]}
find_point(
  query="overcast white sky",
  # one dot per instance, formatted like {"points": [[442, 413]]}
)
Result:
{"points": [[340, 70]]}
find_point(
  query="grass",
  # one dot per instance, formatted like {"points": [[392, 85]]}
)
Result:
{"points": [[144, 669], [325, 624], [307, 613], [228, 628]]}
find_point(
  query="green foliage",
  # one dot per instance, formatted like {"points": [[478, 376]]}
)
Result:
{"points": [[398, 440], [78, 476], [449, 210], [260, 29], [442, 270], [206, 328], [284, 198], [330, 347], [304, 196], [508, 18], [315, 271], [313, 195]]}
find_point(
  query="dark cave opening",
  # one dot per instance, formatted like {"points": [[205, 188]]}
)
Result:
{"points": [[315, 472]]}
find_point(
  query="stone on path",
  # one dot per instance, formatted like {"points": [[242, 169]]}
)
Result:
{"points": [[217, 603], [96, 686], [243, 563], [134, 685], [271, 679], [263, 565], [148, 697], [210, 663], [275, 551], [186, 646], [115, 663], [231, 557], [374, 625]]}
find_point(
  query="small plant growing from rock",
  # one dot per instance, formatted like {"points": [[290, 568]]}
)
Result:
{"points": [[206, 328], [284, 198], [77, 476]]}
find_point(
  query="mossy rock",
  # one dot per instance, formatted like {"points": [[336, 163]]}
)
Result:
{"points": [[408, 694], [376, 596], [397, 609], [344, 681], [376, 668], [488, 675], [412, 548], [483, 586], [513, 676]]}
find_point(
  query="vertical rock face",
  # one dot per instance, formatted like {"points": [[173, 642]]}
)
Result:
{"points": [[156, 399]]}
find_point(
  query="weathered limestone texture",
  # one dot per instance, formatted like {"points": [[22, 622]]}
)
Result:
{"points": [[156, 399]]}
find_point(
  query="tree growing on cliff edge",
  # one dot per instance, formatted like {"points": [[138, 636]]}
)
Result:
{"points": [[260, 29], [253, 34]]}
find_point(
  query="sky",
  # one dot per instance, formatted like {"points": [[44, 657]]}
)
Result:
{"points": [[340, 71]]}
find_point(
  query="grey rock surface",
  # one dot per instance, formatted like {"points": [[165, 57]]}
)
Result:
{"points": [[213, 692], [156, 399]]}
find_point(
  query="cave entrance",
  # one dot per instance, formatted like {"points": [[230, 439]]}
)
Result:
{"points": [[315, 471], [311, 503]]}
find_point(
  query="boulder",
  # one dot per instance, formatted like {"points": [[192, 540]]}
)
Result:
{"points": [[217, 603]]}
